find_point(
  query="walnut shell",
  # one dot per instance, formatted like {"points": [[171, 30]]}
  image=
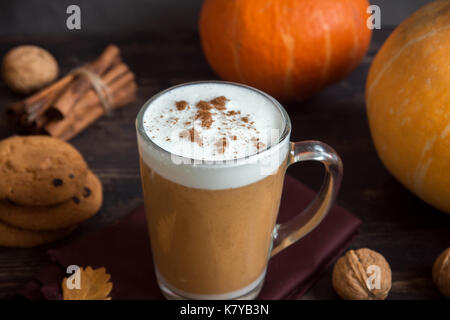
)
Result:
{"points": [[28, 68], [441, 272], [352, 278]]}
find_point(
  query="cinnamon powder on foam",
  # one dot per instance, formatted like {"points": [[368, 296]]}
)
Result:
{"points": [[205, 115]]}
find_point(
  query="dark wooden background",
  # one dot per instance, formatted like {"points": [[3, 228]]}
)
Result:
{"points": [[35, 17], [408, 232]]}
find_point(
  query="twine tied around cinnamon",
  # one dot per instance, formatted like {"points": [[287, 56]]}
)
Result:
{"points": [[102, 90]]}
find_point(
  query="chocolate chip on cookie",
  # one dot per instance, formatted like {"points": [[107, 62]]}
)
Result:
{"points": [[57, 182], [40, 170], [86, 192]]}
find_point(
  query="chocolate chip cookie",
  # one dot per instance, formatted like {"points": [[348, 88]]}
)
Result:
{"points": [[39, 170], [83, 205], [19, 238]]}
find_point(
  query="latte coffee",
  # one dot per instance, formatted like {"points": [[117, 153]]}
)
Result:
{"points": [[213, 157]]}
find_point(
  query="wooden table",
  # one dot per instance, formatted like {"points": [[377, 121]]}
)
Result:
{"points": [[408, 232]]}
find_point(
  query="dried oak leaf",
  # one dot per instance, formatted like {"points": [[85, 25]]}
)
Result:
{"points": [[94, 285]]}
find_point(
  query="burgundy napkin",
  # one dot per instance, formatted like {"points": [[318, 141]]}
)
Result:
{"points": [[124, 250]]}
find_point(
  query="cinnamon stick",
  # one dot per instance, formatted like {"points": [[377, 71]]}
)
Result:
{"points": [[113, 79], [80, 85], [82, 116], [24, 112], [91, 97], [41, 121]]}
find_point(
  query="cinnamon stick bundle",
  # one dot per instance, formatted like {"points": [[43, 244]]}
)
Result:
{"points": [[71, 104], [78, 87]]}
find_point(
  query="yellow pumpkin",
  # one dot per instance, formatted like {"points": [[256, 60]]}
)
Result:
{"points": [[408, 103]]}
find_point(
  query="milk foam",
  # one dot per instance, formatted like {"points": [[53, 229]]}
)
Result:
{"points": [[164, 123], [255, 137]]}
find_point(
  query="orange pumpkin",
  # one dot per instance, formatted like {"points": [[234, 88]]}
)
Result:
{"points": [[288, 48], [408, 103]]}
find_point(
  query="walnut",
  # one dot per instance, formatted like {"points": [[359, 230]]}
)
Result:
{"points": [[28, 68], [362, 275], [441, 272]]}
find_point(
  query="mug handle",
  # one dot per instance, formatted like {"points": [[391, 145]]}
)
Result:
{"points": [[287, 233]]}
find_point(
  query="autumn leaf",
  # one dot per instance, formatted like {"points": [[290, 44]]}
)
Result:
{"points": [[93, 284]]}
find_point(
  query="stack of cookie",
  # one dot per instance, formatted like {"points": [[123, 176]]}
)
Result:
{"points": [[46, 190]]}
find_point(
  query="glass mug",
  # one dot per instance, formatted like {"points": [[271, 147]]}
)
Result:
{"points": [[215, 242]]}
